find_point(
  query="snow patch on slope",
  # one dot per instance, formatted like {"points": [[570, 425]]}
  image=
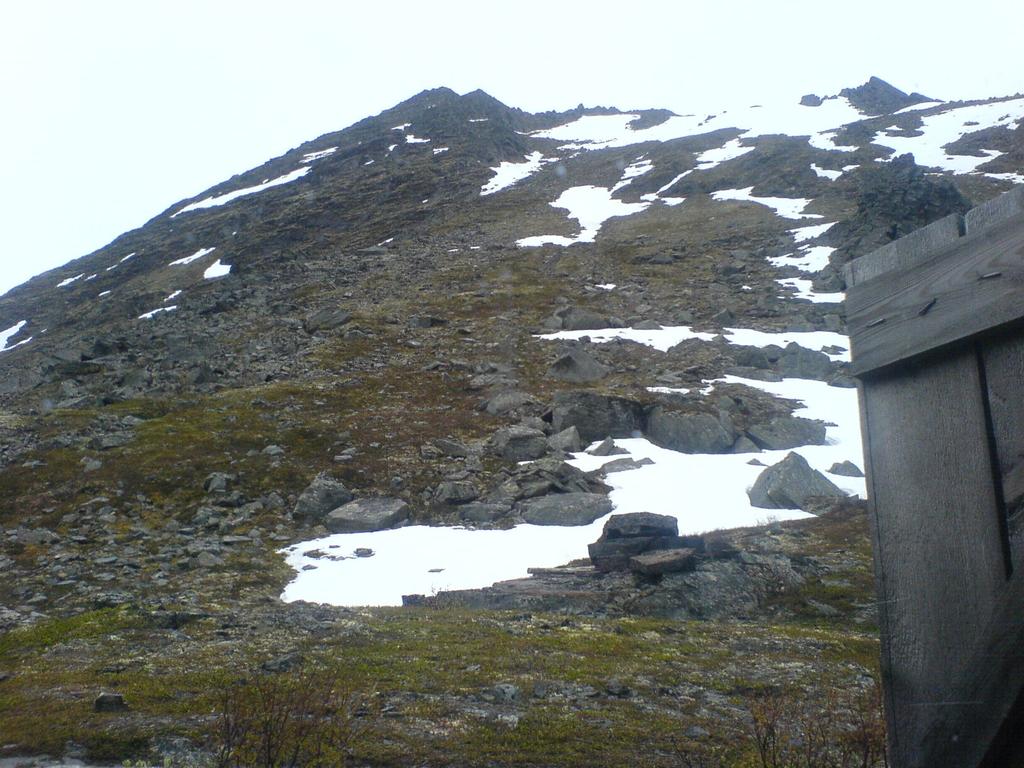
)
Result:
{"points": [[227, 197], [7, 335], [507, 173], [591, 207], [786, 207], [194, 257]]}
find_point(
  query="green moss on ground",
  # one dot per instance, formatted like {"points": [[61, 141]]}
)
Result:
{"points": [[432, 674]]}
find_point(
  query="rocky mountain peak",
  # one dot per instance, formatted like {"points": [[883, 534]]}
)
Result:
{"points": [[877, 97]]}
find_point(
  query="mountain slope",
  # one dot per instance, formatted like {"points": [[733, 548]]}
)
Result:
{"points": [[367, 307]]}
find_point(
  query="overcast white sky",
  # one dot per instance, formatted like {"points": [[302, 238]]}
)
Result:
{"points": [[112, 110]]}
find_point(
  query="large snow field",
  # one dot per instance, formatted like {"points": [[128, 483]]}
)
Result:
{"points": [[702, 491]]}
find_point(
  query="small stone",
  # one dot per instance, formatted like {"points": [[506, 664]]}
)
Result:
{"points": [[607, 447], [846, 469], [273, 450], [218, 482], [506, 693], [617, 688], [110, 702]]}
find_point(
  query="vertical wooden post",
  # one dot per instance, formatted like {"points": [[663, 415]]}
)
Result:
{"points": [[938, 347]]}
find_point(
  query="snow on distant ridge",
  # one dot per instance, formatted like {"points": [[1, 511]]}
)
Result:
{"points": [[663, 339], [943, 128], [227, 197], [604, 131], [918, 107], [311, 156], [65, 283]]}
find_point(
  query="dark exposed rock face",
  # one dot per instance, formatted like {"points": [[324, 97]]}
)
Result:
{"points": [[597, 416], [893, 200], [789, 484], [688, 432], [877, 97], [802, 363]]}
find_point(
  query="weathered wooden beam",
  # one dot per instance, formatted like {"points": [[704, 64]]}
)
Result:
{"points": [[939, 553], [972, 286]]}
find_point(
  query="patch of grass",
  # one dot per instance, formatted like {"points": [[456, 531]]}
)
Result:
{"points": [[435, 670]]}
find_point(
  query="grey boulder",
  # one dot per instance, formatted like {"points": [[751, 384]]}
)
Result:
{"points": [[688, 432], [565, 509], [846, 469], [371, 514], [320, 497], [789, 484], [518, 443], [567, 440], [578, 366], [787, 432]]}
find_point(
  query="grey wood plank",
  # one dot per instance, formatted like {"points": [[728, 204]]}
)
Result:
{"points": [[939, 548], [994, 675], [881, 588], [909, 251], [974, 286], [1004, 364]]}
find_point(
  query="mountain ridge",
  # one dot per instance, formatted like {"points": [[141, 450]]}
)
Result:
{"points": [[367, 335]]}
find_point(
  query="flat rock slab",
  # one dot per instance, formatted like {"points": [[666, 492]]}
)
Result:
{"points": [[640, 524], [565, 509], [787, 432], [373, 514], [664, 561]]}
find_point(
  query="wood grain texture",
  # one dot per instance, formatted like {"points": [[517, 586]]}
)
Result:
{"points": [[993, 674], [1004, 364], [906, 253], [939, 549], [971, 287], [881, 588]]}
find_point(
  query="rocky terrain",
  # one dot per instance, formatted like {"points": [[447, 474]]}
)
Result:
{"points": [[396, 328]]}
